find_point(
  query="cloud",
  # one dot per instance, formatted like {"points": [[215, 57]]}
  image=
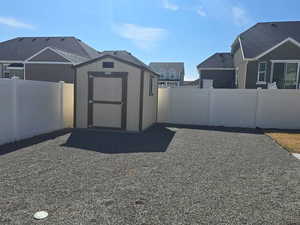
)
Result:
{"points": [[240, 16], [143, 37], [12, 22], [200, 11], [168, 5]]}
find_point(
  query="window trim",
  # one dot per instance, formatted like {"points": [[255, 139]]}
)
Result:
{"points": [[151, 86], [110, 62], [285, 62], [265, 72]]}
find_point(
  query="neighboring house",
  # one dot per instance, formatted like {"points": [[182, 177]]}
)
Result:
{"points": [[171, 73], [219, 70], [115, 91], [264, 54], [43, 58], [192, 83]]}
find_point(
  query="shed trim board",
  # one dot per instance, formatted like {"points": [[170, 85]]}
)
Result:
{"points": [[141, 100], [75, 100], [91, 101]]}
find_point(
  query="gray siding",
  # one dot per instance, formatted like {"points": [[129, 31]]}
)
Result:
{"points": [[221, 78], [49, 56], [50, 72], [241, 65], [287, 51]]}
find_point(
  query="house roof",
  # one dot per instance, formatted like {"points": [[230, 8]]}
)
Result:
{"points": [[263, 36], [120, 55], [178, 66], [21, 48], [218, 60]]}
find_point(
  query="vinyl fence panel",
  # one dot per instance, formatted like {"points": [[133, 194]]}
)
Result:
{"points": [[278, 109], [189, 106], [233, 108], [6, 111], [30, 108], [38, 108], [246, 108]]}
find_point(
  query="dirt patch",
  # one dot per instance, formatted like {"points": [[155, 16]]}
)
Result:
{"points": [[290, 141]]}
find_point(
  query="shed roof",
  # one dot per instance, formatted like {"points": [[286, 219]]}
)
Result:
{"points": [[121, 55]]}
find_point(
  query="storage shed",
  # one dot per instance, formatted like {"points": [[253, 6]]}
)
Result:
{"points": [[115, 91]]}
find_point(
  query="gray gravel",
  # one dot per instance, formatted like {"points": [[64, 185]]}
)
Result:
{"points": [[164, 176]]}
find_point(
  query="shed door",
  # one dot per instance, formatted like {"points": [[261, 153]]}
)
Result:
{"points": [[107, 100]]}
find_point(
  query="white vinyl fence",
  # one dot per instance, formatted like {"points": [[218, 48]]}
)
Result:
{"points": [[230, 107], [29, 108]]}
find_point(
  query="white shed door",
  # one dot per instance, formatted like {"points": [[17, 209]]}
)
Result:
{"points": [[107, 100]]}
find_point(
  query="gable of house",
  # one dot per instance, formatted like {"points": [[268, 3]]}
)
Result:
{"points": [[48, 55], [22, 48], [263, 36]]}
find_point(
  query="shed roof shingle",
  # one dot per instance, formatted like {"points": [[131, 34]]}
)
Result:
{"points": [[121, 55]]}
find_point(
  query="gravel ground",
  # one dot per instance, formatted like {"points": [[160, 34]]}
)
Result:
{"points": [[164, 176]]}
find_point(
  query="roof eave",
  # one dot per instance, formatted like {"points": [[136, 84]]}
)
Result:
{"points": [[116, 58]]}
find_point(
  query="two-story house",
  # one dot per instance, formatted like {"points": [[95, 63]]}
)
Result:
{"points": [[171, 73], [267, 53]]}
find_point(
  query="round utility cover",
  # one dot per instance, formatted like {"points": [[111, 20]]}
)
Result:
{"points": [[40, 215]]}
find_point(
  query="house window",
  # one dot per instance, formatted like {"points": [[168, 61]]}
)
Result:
{"points": [[172, 73], [107, 64], [262, 72], [151, 86], [286, 75]]}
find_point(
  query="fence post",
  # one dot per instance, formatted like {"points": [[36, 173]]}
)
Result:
{"points": [[61, 86], [257, 106], [15, 107], [210, 105]]}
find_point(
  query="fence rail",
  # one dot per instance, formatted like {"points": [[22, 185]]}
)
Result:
{"points": [[278, 109], [29, 108]]}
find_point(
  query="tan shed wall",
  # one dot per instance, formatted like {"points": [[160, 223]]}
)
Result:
{"points": [[150, 102], [68, 100], [133, 91]]}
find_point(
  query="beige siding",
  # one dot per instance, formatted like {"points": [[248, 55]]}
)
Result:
{"points": [[150, 102], [68, 100], [133, 91], [241, 65]]}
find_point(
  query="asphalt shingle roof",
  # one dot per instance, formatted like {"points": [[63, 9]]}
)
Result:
{"points": [[218, 60], [264, 36], [21, 48], [179, 66], [123, 56]]}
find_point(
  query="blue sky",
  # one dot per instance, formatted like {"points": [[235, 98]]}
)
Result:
{"points": [[153, 30]]}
